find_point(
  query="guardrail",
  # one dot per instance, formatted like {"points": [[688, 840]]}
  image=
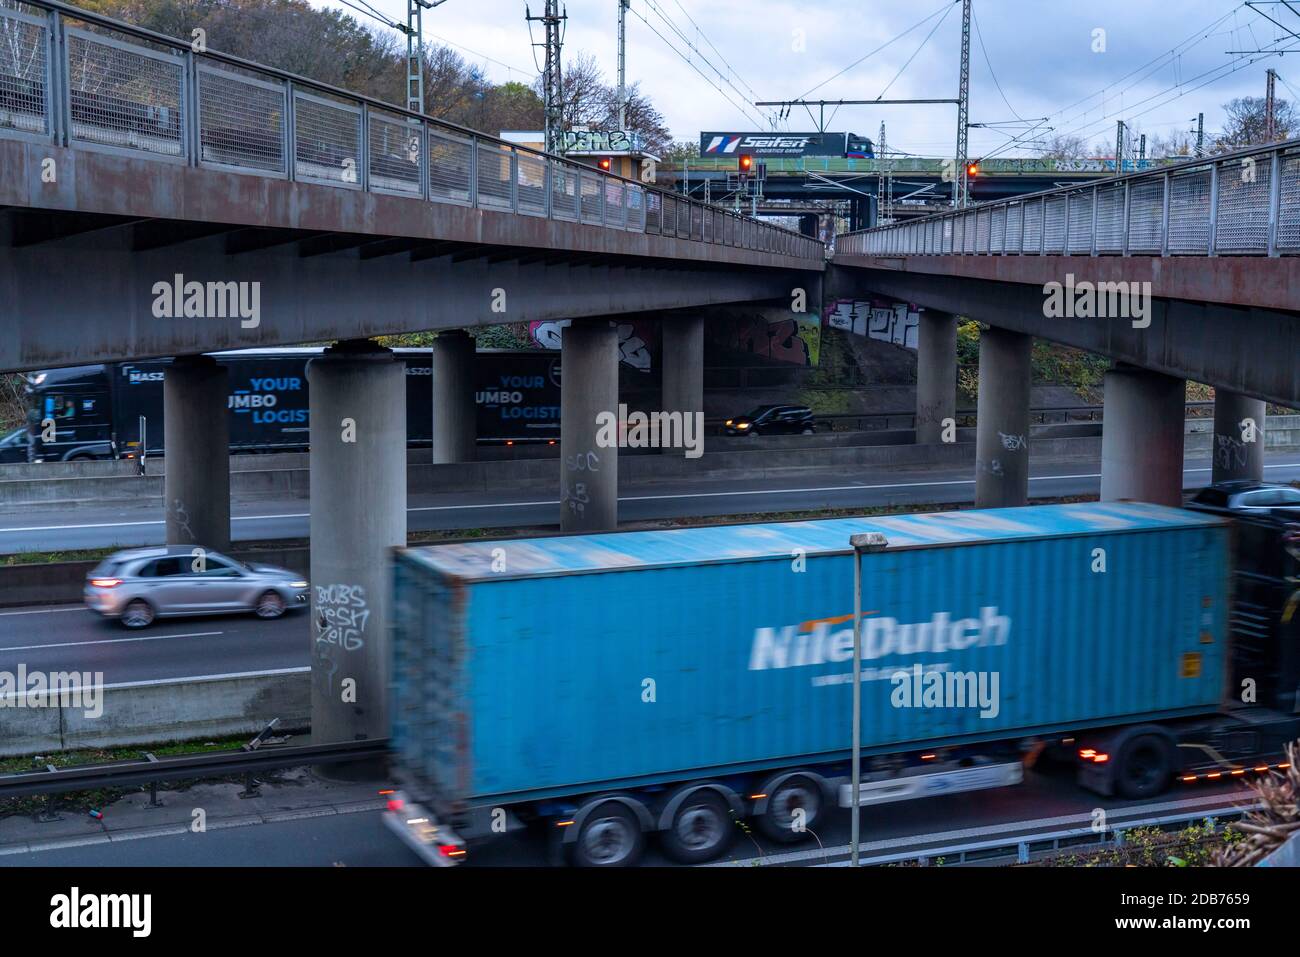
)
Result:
{"points": [[1031, 849], [1245, 203], [150, 770], [105, 85]]}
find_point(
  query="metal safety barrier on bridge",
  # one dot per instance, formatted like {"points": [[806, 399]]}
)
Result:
{"points": [[1245, 203], [72, 78]]}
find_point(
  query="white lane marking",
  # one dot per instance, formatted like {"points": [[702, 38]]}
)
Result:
{"points": [[112, 641], [269, 817], [623, 498], [43, 611]]}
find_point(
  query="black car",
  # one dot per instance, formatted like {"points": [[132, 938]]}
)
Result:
{"points": [[772, 420], [13, 447], [1240, 496]]}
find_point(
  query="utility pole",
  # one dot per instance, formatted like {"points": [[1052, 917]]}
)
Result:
{"points": [[415, 52], [553, 102], [884, 180], [1200, 134], [1119, 147], [622, 63], [960, 194], [1142, 149], [1270, 108]]}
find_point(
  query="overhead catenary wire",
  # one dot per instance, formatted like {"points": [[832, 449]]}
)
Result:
{"points": [[1078, 125], [743, 111], [909, 60], [673, 26], [947, 6]]}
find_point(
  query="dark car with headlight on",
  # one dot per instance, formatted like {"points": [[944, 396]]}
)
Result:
{"points": [[1239, 496], [139, 585], [773, 420]]}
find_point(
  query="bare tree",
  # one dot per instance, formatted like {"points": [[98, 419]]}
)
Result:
{"points": [[1247, 123], [1065, 146]]}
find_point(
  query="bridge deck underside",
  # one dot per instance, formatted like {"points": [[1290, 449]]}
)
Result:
{"points": [[81, 259], [1228, 322]]}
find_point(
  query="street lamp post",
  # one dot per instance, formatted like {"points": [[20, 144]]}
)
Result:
{"points": [[865, 542]]}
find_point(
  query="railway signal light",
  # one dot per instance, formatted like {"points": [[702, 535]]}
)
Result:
{"points": [[972, 169], [746, 163], [606, 163]]}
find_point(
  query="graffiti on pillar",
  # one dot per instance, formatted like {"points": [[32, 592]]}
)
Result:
{"points": [[929, 412], [182, 516], [341, 616], [1229, 452], [633, 337], [1012, 443], [576, 497]]}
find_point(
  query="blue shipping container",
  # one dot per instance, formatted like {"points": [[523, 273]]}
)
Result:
{"points": [[557, 666]]}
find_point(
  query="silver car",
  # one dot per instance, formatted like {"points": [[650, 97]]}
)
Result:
{"points": [[141, 584]]}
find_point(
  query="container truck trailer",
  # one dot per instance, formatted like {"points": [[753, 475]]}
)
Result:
{"points": [[672, 683], [112, 410]]}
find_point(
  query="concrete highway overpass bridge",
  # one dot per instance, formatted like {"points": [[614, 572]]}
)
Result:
{"points": [[127, 160], [1184, 272]]}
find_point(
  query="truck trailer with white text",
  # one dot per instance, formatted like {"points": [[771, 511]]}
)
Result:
{"points": [[672, 683]]}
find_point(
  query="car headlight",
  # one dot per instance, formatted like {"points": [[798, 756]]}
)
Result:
{"points": [[743, 425], [297, 584], [728, 422]]}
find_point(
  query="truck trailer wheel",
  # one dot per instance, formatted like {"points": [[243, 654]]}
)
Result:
{"points": [[794, 807], [1145, 766], [610, 837], [701, 829]]}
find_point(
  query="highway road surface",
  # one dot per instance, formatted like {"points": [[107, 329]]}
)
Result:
{"points": [[1049, 798], [72, 638], [37, 528]]}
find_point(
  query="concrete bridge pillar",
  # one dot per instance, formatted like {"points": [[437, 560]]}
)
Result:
{"points": [[196, 440], [1142, 437], [936, 374], [588, 388], [1002, 426], [358, 513], [454, 410], [1238, 444], [683, 367]]}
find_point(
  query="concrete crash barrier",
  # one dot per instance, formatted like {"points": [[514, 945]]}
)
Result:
{"points": [[153, 712]]}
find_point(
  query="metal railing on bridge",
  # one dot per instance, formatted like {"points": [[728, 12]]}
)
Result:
{"points": [[73, 78], [1245, 203]]}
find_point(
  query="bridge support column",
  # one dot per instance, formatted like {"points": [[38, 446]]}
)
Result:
{"points": [[936, 375], [588, 388], [1142, 437], [454, 411], [1238, 444], [196, 437], [1002, 432], [683, 370], [358, 512]]}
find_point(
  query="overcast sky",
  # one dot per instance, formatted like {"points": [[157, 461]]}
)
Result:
{"points": [[1041, 53]]}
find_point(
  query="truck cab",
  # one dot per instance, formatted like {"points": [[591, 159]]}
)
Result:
{"points": [[74, 403]]}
